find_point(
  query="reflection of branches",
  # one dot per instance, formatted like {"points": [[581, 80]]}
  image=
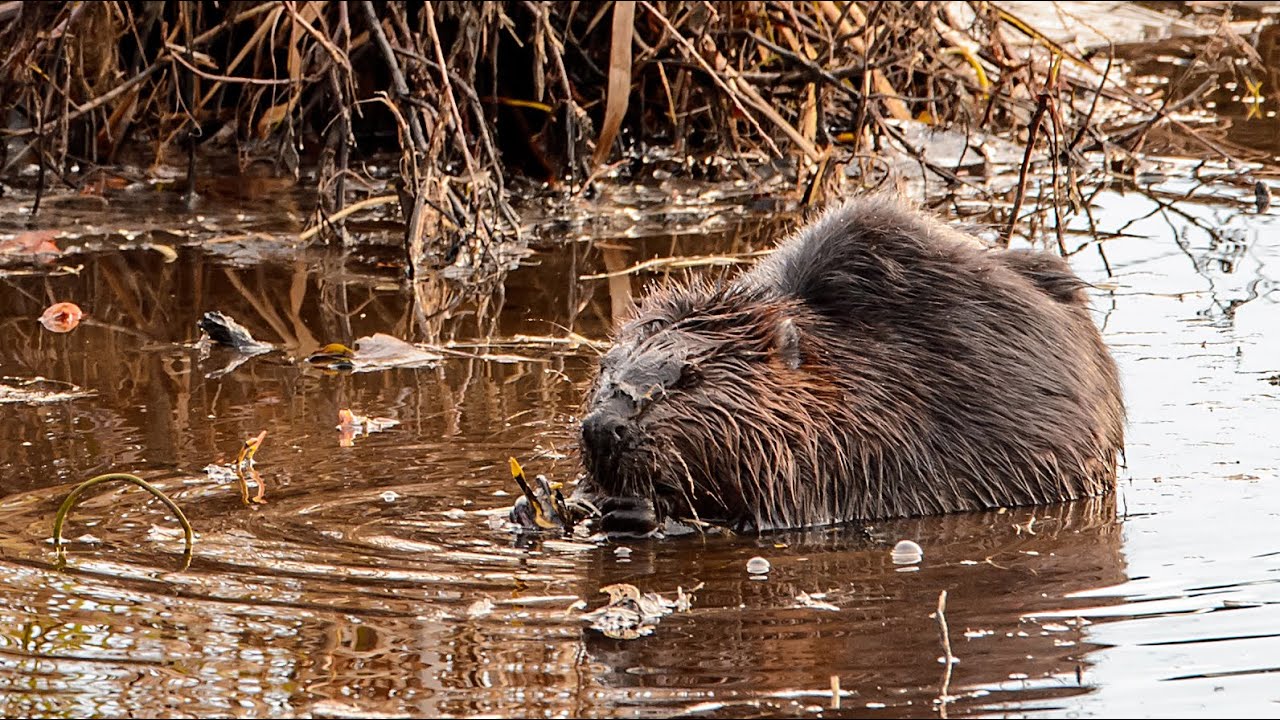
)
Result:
{"points": [[297, 292], [1200, 264], [265, 310], [1093, 232]]}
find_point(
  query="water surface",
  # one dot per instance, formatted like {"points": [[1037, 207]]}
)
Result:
{"points": [[360, 585]]}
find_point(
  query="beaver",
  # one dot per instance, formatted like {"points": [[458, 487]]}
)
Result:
{"points": [[878, 364]]}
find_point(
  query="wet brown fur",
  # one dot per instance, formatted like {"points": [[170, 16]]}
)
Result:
{"points": [[879, 364]]}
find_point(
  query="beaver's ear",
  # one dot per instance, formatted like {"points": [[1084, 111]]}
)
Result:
{"points": [[786, 344]]}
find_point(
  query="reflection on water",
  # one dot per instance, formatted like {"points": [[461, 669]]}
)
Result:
{"points": [[355, 587]]}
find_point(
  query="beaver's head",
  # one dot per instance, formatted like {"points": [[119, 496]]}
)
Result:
{"points": [[706, 406]]}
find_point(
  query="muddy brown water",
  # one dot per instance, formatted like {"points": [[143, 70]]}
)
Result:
{"points": [[373, 582]]}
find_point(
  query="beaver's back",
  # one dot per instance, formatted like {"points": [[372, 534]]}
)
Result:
{"points": [[982, 369]]}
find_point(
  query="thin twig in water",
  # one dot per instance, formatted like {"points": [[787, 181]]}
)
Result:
{"points": [[948, 658], [355, 207]]}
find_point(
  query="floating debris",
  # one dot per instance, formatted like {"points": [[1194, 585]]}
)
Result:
{"points": [[815, 601], [36, 245], [22, 391], [222, 330], [351, 426], [540, 508], [334, 356], [758, 566], [907, 552], [480, 608], [61, 317], [221, 473], [335, 709], [375, 352], [631, 614], [168, 253]]}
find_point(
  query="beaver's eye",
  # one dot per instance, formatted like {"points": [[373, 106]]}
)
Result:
{"points": [[649, 328]]}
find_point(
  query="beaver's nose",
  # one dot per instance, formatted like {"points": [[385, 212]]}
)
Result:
{"points": [[603, 430]]}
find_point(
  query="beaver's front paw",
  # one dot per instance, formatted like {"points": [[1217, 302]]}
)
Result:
{"points": [[628, 517]]}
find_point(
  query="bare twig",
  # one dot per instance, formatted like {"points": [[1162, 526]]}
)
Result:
{"points": [[397, 75], [1041, 105], [948, 659], [349, 210]]}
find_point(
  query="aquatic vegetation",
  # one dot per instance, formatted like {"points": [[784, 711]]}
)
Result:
{"points": [[74, 496]]}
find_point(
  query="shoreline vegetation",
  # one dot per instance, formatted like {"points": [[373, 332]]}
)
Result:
{"points": [[482, 103]]}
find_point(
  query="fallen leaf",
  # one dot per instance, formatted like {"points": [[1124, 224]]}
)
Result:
{"points": [[815, 601], [34, 242], [375, 352], [61, 317]]}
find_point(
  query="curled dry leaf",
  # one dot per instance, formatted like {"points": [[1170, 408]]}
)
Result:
{"points": [[542, 506], [61, 317], [244, 464], [249, 449]]}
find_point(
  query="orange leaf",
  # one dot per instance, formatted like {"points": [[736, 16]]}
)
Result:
{"points": [[61, 317]]}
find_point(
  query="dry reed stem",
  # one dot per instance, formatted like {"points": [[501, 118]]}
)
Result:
{"points": [[619, 88]]}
